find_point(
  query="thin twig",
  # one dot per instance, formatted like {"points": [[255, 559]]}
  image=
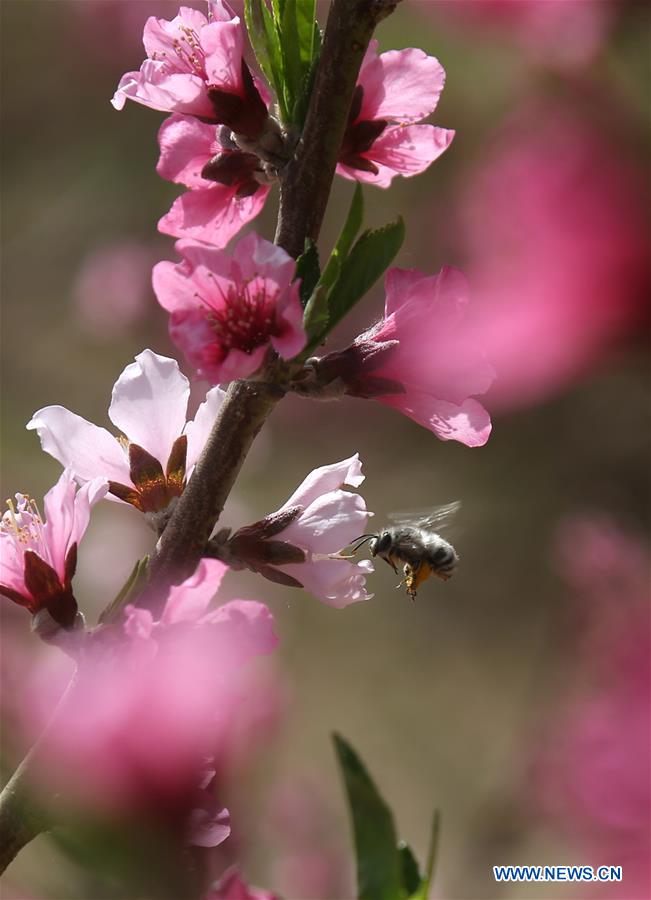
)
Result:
{"points": [[21, 817], [21, 820]]}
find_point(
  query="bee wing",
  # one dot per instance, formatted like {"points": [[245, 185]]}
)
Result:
{"points": [[433, 517]]}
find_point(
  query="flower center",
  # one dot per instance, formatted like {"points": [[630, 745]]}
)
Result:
{"points": [[188, 54], [246, 320], [24, 523]]}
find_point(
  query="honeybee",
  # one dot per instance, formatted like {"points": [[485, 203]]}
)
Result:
{"points": [[413, 543]]}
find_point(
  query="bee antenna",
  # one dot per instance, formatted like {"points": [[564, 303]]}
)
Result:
{"points": [[363, 538]]}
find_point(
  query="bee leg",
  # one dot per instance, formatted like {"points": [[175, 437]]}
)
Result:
{"points": [[411, 579], [391, 563]]}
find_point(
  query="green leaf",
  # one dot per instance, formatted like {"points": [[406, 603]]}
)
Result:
{"points": [[130, 589], [315, 317], [255, 13], [305, 21], [299, 36], [264, 34], [367, 261], [411, 878], [348, 234], [290, 46], [307, 269], [379, 865], [303, 100], [432, 855]]}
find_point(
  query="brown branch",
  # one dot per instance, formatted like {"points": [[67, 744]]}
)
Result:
{"points": [[306, 186], [242, 414], [21, 820]]}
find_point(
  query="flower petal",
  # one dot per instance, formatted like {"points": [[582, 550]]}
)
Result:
{"points": [[403, 285], [188, 602], [199, 428], [329, 523], [186, 145], [191, 331], [213, 215], [326, 479], [409, 149], [438, 351], [238, 364], [155, 87], [219, 11], [467, 422], [223, 44], [89, 451], [59, 513], [87, 496], [443, 297], [292, 338], [337, 582], [244, 629], [170, 285], [208, 825], [402, 150], [401, 85], [257, 257], [161, 36], [149, 403]]}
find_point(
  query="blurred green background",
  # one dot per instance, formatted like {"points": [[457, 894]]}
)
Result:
{"points": [[438, 696]]}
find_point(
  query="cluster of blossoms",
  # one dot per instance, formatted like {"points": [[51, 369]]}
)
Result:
{"points": [[155, 698], [223, 142]]}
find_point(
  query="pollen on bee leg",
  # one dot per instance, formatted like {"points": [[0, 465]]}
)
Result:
{"points": [[414, 577]]}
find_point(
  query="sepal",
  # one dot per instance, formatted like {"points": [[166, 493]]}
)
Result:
{"points": [[245, 115], [128, 592]]}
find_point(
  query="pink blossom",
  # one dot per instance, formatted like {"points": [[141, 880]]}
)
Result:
{"points": [[231, 886], [565, 33], [227, 186], [149, 402], [228, 309], [328, 518], [195, 65], [150, 710], [420, 359], [39, 552], [395, 91], [590, 768], [554, 224]]}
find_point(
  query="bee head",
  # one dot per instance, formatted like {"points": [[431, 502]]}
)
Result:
{"points": [[380, 543], [371, 539]]}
